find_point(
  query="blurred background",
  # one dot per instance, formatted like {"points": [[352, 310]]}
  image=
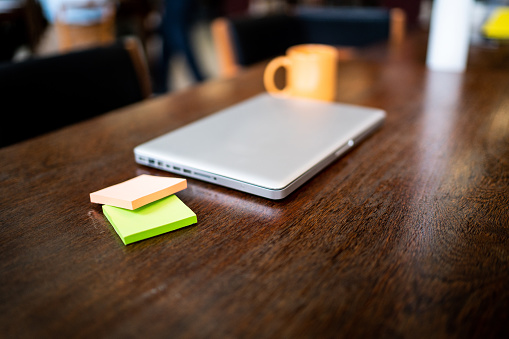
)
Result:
{"points": [[32, 28]]}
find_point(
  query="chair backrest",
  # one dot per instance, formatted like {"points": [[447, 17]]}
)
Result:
{"points": [[343, 26], [42, 94], [243, 41], [258, 38]]}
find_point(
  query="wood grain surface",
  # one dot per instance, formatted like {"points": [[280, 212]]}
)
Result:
{"points": [[407, 236]]}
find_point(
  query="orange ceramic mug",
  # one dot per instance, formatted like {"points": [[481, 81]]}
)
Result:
{"points": [[311, 71]]}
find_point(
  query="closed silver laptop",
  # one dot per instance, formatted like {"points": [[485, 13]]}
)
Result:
{"points": [[267, 146]]}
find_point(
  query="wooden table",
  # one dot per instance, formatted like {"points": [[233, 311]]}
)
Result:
{"points": [[406, 236]]}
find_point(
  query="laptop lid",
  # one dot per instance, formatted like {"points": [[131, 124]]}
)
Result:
{"points": [[265, 145]]}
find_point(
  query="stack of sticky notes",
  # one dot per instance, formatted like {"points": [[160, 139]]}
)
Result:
{"points": [[144, 206]]}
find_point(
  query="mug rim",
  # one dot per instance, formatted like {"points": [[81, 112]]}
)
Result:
{"points": [[313, 49]]}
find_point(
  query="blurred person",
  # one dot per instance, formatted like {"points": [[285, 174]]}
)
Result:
{"points": [[78, 11], [176, 23]]}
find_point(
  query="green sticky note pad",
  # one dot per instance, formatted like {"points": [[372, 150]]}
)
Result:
{"points": [[156, 218]]}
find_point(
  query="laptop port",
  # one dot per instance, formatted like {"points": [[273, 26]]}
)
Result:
{"points": [[202, 175]]}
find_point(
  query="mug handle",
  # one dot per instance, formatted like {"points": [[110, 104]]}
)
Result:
{"points": [[270, 70]]}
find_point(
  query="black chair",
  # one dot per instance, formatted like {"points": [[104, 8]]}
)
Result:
{"points": [[43, 94], [259, 38], [343, 26], [243, 41]]}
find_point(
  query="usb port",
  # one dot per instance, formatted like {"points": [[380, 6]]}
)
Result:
{"points": [[187, 171], [202, 175], [176, 168]]}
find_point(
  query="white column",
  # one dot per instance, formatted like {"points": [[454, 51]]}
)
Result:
{"points": [[449, 36]]}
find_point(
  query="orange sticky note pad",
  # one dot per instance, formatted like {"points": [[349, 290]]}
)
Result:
{"points": [[138, 191]]}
